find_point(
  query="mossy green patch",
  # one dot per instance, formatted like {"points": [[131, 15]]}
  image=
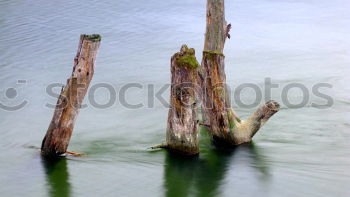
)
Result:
{"points": [[93, 37], [212, 54], [238, 119], [187, 58], [230, 119]]}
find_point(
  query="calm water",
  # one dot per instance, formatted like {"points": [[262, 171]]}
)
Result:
{"points": [[300, 152]]}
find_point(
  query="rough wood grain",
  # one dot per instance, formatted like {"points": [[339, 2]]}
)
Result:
{"points": [[182, 127], [224, 125], [217, 29], [58, 135]]}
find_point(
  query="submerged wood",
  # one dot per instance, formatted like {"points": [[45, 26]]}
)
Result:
{"points": [[58, 135], [224, 125]]}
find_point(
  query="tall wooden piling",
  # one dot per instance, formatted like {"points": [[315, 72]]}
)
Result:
{"points": [[58, 135]]}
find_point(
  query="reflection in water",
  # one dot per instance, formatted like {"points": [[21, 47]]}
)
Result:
{"points": [[57, 177], [202, 176]]}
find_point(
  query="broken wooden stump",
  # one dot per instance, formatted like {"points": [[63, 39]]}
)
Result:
{"points": [[58, 135], [182, 129], [223, 123]]}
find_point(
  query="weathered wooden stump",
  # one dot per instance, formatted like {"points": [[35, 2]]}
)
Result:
{"points": [[58, 135], [224, 125], [182, 128]]}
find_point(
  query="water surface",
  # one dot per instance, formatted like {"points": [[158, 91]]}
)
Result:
{"points": [[300, 152]]}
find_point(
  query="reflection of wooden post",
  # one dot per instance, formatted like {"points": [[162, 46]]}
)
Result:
{"points": [[57, 138], [224, 125], [182, 129], [57, 176]]}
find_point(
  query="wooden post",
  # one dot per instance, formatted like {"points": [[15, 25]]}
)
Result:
{"points": [[58, 135], [182, 128], [224, 125]]}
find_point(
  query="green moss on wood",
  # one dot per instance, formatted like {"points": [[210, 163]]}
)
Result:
{"points": [[187, 58], [92, 37], [212, 54], [230, 118], [238, 119]]}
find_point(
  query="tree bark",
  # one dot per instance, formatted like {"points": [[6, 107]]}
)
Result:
{"points": [[182, 128], [58, 135], [224, 125]]}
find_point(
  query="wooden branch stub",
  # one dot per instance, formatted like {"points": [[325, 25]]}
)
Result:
{"points": [[228, 28], [223, 123]]}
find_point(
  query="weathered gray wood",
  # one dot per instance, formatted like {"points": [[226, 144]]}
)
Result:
{"points": [[58, 135], [217, 29], [224, 125], [182, 127]]}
